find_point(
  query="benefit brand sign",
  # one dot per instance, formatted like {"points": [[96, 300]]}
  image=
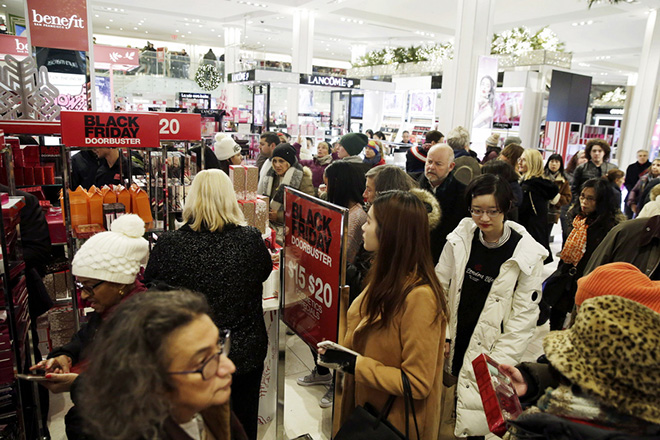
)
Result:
{"points": [[13, 45], [96, 129], [313, 266], [58, 24]]}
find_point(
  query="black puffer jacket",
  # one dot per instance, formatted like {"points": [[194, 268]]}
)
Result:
{"points": [[533, 212], [229, 268]]}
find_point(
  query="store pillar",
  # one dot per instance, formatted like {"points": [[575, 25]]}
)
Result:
{"points": [[232, 63], [642, 114], [473, 38], [301, 56]]}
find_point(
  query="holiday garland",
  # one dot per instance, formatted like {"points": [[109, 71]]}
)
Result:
{"points": [[207, 77], [514, 41]]}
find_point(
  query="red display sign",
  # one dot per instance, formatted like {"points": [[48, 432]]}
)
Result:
{"points": [[116, 56], [110, 130], [313, 263], [58, 24], [13, 45], [179, 126]]}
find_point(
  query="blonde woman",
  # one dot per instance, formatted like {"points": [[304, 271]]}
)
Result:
{"points": [[215, 254], [538, 193]]}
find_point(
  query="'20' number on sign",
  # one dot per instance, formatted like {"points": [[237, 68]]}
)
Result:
{"points": [[169, 126], [322, 292]]}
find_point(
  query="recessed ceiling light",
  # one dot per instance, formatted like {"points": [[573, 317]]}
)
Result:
{"points": [[107, 27], [177, 31], [212, 30], [183, 36], [121, 10], [249, 22], [135, 29], [187, 24], [121, 29], [95, 15], [219, 36], [4, 6], [110, 20], [190, 32]]}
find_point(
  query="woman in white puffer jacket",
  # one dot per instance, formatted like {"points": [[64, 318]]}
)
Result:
{"points": [[491, 270]]}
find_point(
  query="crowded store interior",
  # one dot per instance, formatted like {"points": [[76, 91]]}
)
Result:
{"points": [[315, 220]]}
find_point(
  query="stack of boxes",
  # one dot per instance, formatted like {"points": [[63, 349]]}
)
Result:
{"points": [[28, 170], [245, 179], [100, 206]]}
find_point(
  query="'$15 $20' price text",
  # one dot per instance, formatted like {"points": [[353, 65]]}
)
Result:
{"points": [[320, 291]]}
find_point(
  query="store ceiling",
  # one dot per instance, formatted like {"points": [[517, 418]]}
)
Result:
{"points": [[607, 46]]}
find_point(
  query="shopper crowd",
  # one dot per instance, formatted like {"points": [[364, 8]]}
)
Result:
{"points": [[445, 262]]}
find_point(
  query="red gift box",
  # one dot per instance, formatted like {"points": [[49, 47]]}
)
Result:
{"points": [[56, 225], [31, 155], [38, 175], [500, 400], [49, 174], [18, 176], [28, 176]]}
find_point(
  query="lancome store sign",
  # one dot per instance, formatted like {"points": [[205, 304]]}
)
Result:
{"points": [[329, 81]]}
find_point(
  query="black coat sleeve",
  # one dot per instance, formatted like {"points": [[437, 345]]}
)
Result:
{"points": [[263, 263], [539, 377], [35, 237]]}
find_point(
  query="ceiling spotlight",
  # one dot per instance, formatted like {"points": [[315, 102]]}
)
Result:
{"points": [[110, 20], [177, 31], [107, 27], [146, 32], [95, 15], [135, 29]]}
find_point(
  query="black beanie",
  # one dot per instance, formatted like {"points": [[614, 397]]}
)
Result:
{"points": [[286, 152]]}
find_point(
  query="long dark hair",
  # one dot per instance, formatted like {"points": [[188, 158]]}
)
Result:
{"points": [[606, 209], [124, 389], [345, 184], [224, 165], [557, 157], [403, 260]]}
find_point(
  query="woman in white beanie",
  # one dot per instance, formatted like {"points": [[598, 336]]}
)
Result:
{"points": [[227, 151], [105, 267]]}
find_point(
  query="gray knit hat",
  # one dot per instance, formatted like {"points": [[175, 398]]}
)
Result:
{"points": [[116, 255]]}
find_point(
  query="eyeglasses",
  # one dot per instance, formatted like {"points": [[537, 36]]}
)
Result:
{"points": [[489, 212], [588, 199], [210, 366], [89, 290]]}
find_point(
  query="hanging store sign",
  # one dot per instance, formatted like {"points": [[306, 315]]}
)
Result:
{"points": [[109, 130], [13, 45], [313, 263], [58, 24], [116, 56], [191, 95], [329, 81], [179, 126], [247, 75]]}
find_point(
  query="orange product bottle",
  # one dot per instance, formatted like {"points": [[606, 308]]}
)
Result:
{"points": [[79, 207], [95, 200], [123, 197], [109, 195]]}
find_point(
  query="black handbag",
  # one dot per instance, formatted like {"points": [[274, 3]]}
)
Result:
{"points": [[557, 286], [367, 423]]}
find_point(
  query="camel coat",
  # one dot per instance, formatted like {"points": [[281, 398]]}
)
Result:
{"points": [[413, 343]]}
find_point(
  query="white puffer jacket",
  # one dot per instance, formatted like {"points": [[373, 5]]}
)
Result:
{"points": [[507, 321]]}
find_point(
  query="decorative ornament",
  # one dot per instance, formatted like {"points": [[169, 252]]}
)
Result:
{"points": [[25, 92], [207, 77], [614, 97], [412, 54]]}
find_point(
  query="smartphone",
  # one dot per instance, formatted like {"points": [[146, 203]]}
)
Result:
{"points": [[335, 346], [32, 377]]}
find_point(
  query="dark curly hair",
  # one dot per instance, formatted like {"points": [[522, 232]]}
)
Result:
{"points": [[124, 389]]}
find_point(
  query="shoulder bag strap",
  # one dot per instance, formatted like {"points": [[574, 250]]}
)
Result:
{"points": [[408, 399], [386, 409]]}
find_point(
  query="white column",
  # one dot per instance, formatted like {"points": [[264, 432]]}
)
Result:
{"points": [[303, 41], [643, 111], [301, 57], [357, 52], [473, 38], [232, 63]]}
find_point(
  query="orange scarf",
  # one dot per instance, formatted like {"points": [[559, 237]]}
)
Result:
{"points": [[576, 243]]}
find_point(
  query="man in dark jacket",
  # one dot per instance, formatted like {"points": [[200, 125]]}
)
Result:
{"points": [[633, 173], [416, 156], [84, 165], [439, 179]]}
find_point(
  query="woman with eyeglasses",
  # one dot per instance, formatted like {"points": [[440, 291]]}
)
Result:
{"points": [[491, 269], [105, 267], [217, 254], [590, 221], [159, 369]]}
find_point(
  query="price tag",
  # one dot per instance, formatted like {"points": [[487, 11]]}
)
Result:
{"points": [[179, 126]]}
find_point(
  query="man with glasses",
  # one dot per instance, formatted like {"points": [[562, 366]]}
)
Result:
{"points": [[439, 179]]}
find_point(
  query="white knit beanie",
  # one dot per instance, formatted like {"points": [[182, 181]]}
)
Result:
{"points": [[225, 147], [114, 255]]}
